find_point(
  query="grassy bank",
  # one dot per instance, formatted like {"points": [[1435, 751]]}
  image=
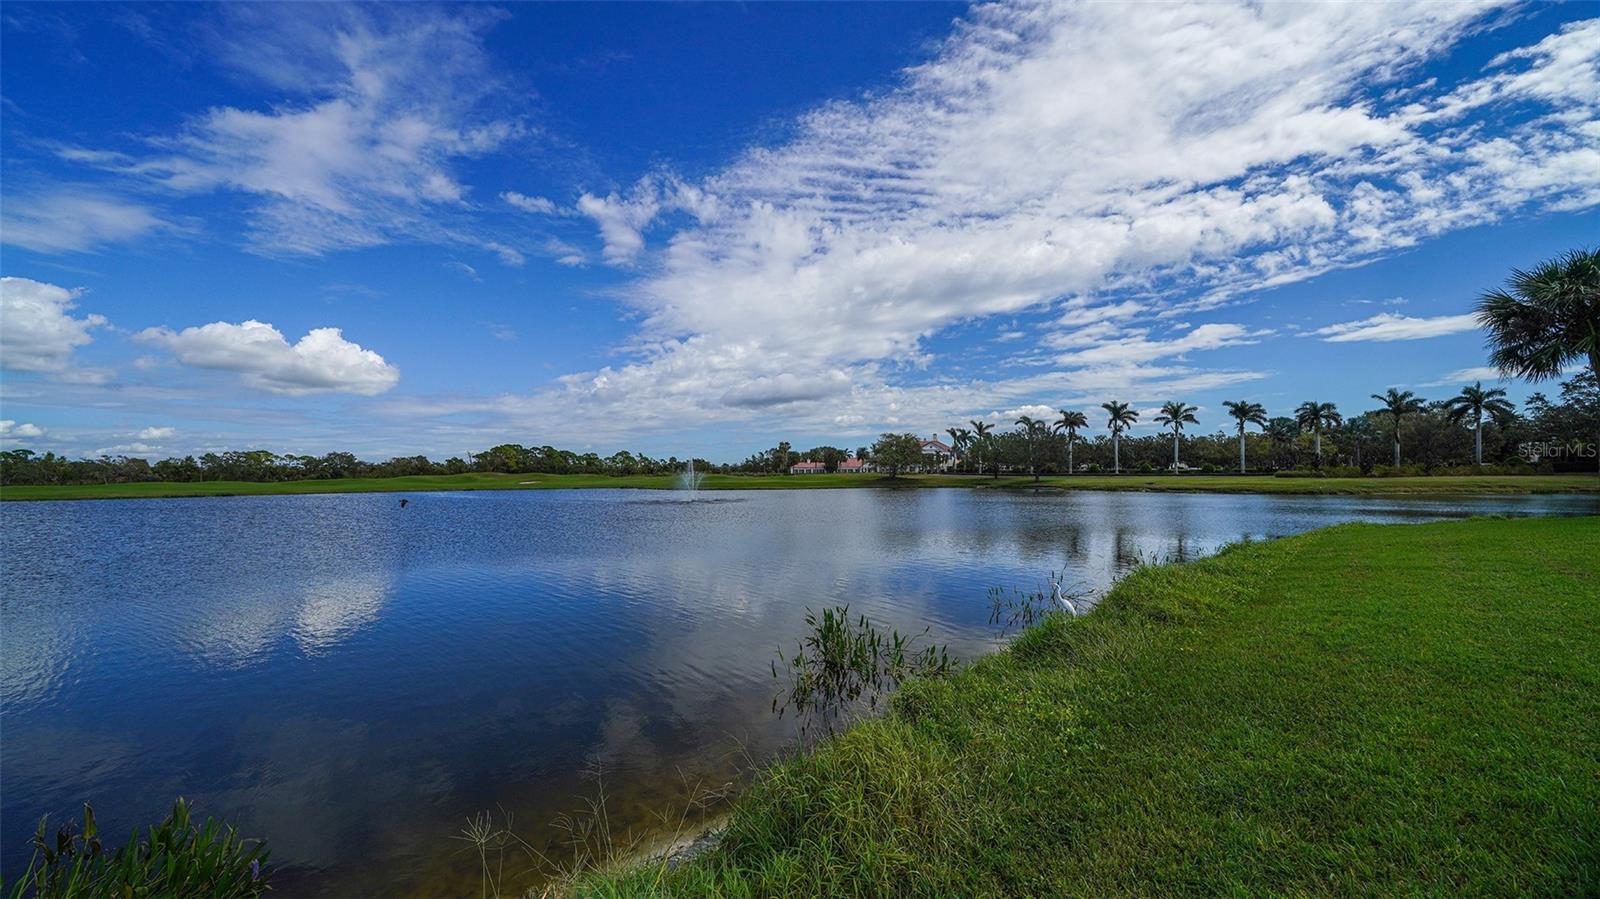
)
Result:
{"points": [[1450, 485], [1373, 710]]}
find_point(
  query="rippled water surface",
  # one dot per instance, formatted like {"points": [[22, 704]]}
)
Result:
{"points": [[352, 679]]}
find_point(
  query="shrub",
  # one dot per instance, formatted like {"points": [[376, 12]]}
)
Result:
{"points": [[1398, 471], [1298, 474], [178, 858]]}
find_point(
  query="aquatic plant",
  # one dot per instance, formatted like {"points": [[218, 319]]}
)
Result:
{"points": [[1018, 610], [844, 665], [177, 858]]}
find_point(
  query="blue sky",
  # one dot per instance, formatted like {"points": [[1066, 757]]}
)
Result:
{"points": [[705, 228]]}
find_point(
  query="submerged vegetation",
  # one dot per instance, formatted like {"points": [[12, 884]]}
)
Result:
{"points": [[1392, 709]]}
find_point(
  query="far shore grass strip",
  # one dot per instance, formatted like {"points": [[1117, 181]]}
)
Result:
{"points": [[1375, 710], [1267, 484]]}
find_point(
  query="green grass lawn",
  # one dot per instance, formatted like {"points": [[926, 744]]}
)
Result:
{"points": [[1564, 483], [1364, 710]]}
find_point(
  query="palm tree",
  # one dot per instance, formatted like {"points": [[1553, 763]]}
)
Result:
{"points": [[1033, 428], [959, 438], [1246, 412], [1069, 424], [1122, 417], [980, 439], [1547, 319], [1314, 416], [1175, 415], [1475, 401], [1359, 430], [1397, 404]]}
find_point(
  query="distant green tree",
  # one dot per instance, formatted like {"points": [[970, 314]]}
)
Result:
{"points": [[1175, 415], [781, 457], [1033, 431], [894, 453], [1360, 430], [1314, 417], [1068, 424], [1122, 417], [1245, 412], [1473, 401], [1397, 404], [983, 444]]}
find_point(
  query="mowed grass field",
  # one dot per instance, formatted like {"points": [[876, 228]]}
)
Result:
{"points": [[1457, 485], [1398, 710]]}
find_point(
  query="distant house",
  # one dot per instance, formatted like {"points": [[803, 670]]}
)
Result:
{"points": [[938, 455], [853, 465], [807, 468]]}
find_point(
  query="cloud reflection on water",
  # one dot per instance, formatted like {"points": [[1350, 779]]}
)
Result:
{"points": [[334, 672]]}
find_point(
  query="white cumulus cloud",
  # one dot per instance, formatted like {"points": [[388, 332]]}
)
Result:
{"points": [[11, 428], [320, 362], [37, 330], [157, 433]]}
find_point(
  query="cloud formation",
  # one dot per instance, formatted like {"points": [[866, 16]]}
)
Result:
{"points": [[384, 103], [74, 219], [13, 429], [1125, 165], [1390, 326], [37, 330], [320, 362]]}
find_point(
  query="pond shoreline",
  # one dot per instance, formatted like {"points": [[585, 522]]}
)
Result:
{"points": [[1357, 701], [1442, 485]]}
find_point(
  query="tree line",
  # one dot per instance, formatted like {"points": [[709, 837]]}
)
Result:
{"points": [[22, 466], [1474, 430], [1544, 322]]}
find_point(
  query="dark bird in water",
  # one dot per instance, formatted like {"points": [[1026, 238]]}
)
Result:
{"points": [[403, 503]]}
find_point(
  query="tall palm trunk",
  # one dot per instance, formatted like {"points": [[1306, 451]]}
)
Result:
{"points": [[1477, 438], [1174, 452], [1397, 449], [1241, 449], [1116, 452], [1317, 437], [1070, 467]]}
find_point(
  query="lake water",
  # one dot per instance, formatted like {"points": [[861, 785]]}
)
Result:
{"points": [[353, 679]]}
